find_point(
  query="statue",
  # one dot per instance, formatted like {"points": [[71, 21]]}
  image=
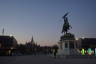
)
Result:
{"points": [[67, 40], [66, 25]]}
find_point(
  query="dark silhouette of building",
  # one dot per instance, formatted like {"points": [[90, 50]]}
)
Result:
{"points": [[7, 44], [87, 42]]}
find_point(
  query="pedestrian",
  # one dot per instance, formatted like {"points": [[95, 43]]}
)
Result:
{"points": [[55, 52]]}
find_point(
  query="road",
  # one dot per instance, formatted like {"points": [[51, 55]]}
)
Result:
{"points": [[44, 60]]}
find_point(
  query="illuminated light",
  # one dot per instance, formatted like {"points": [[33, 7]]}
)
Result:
{"points": [[83, 37], [76, 39], [89, 51], [83, 51], [11, 35], [95, 51]]}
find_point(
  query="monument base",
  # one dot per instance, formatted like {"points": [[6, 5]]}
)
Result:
{"points": [[63, 52]]}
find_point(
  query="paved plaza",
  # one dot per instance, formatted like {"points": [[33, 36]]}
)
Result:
{"points": [[44, 60]]}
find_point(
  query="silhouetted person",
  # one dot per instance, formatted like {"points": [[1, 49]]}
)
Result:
{"points": [[55, 52]]}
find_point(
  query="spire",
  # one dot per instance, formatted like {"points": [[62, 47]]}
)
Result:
{"points": [[32, 40], [3, 31]]}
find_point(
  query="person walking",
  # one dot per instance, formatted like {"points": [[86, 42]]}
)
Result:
{"points": [[55, 52]]}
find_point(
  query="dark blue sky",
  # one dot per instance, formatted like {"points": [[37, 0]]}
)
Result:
{"points": [[43, 19]]}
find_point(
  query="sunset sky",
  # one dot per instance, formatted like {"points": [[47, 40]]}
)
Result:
{"points": [[42, 19]]}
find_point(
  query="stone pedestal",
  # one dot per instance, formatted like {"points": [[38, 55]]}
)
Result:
{"points": [[67, 47]]}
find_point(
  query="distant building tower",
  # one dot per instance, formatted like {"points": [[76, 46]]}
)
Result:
{"points": [[32, 41], [3, 32]]}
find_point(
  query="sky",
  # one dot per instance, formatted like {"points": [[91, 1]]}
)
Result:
{"points": [[42, 19]]}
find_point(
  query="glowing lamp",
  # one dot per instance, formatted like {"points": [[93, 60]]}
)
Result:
{"points": [[95, 52], [83, 51], [89, 51]]}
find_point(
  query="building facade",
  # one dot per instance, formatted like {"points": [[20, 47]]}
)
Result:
{"points": [[7, 44]]}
